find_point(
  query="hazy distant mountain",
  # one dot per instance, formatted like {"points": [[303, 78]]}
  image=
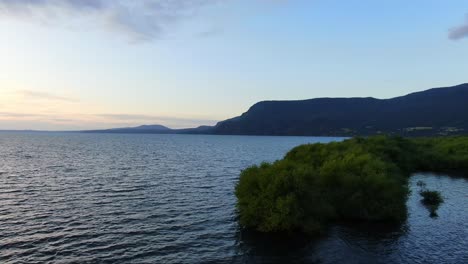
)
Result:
{"points": [[144, 129], [436, 111], [154, 129]]}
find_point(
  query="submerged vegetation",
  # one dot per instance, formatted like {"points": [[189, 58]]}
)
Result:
{"points": [[361, 179], [431, 199]]}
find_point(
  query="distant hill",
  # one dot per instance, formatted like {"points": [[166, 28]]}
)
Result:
{"points": [[144, 129], [439, 111], [153, 129]]}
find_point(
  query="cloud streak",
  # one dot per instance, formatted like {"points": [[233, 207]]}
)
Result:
{"points": [[57, 121], [139, 19], [45, 96], [460, 31]]}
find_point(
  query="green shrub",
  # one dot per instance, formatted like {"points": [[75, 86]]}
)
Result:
{"points": [[431, 197], [356, 179], [432, 200]]}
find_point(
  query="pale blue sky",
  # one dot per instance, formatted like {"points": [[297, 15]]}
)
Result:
{"points": [[71, 64]]}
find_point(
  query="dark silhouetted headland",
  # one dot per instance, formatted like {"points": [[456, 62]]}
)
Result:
{"points": [[439, 111]]}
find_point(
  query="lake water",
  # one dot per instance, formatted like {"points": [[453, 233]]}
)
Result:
{"points": [[95, 198]]}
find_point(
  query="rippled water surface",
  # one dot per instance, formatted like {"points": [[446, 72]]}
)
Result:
{"points": [[86, 198]]}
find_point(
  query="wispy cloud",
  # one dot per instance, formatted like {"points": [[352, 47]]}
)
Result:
{"points": [[139, 19], [460, 31], [17, 115], [35, 109], [213, 32], [58, 121], [36, 95]]}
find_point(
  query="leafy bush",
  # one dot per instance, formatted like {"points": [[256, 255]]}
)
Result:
{"points": [[356, 179], [431, 197]]}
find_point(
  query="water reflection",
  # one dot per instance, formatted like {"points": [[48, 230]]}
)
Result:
{"points": [[415, 241], [74, 198]]}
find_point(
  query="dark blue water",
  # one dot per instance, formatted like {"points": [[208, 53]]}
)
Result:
{"points": [[85, 198]]}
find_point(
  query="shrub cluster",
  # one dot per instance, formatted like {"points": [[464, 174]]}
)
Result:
{"points": [[356, 179], [431, 197], [443, 154]]}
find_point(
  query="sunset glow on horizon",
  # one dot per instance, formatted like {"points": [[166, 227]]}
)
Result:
{"points": [[72, 65]]}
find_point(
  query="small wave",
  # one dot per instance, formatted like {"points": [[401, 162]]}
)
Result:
{"points": [[179, 209]]}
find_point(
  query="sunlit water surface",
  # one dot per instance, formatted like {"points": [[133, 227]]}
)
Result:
{"points": [[91, 198]]}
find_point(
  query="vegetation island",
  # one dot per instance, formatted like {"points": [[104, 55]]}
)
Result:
{"points": [[359, 179]]}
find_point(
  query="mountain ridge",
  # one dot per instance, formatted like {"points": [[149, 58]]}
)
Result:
{"points": [[445, 109], [436, 111]]}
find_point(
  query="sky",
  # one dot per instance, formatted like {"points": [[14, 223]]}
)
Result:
{"points": [[90, 64]]}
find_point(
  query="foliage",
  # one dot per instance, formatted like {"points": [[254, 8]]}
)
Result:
{"points": [[442, 154], [356, 179], [431, 197]]}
